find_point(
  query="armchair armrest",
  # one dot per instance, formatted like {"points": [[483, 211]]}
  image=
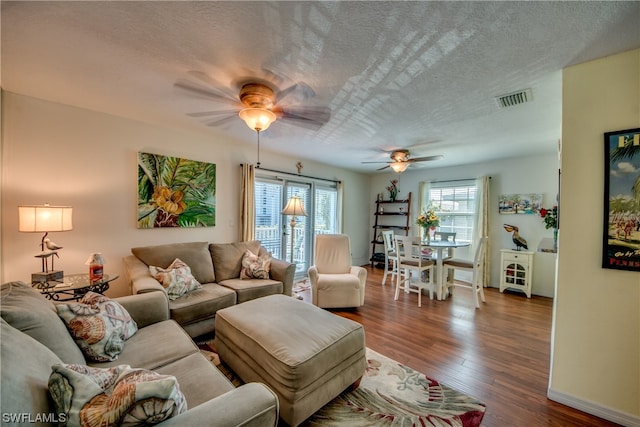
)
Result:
{"points": [[283, 271], [250, 405], [140, 278], [147, 308], [313, 274], [360, 272]]}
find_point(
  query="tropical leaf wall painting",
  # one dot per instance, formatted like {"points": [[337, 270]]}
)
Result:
{"points": [[175, 192]]}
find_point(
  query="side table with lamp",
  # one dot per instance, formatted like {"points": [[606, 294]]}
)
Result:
{"points": [[52, 283]]}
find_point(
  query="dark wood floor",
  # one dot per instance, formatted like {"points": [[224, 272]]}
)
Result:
{"points": [[498, 353]]}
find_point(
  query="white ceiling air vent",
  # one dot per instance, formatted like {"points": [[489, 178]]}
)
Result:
{"points": [[514, 98]]}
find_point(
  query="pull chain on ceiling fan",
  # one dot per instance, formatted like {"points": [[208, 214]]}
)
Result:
{"points": [[258, 115]]}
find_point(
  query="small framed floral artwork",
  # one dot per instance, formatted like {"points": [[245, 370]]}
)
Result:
{"points": [[519, 203], [175, 192], [621, 240]]}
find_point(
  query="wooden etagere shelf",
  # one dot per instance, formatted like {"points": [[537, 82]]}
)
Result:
{"points": [[389, 208]]}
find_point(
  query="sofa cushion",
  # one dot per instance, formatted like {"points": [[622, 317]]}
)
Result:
{"points": [[176, 279], [253, 288], [254, 266], [199, 379], [227, 257], [194, 254], [123, 395], [201, 304], [99, 326], [27, 310], [154, 346], [25, 365]]}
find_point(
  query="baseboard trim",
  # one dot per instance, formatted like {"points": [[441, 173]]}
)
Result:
{"points": [[593, 408]]}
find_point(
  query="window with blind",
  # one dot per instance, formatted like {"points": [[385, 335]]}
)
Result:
{"points": [[455, 204], [268, 198], [326, 211]]}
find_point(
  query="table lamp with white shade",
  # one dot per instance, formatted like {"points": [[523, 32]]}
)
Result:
{"points": [[45, 219], [294, 208]]}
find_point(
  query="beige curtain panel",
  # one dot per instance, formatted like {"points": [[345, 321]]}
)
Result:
{"points": [[248, 204], [482, 224]]}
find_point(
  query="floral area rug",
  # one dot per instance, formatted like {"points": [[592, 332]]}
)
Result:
{"points": [[390, 394], [301, 286]]}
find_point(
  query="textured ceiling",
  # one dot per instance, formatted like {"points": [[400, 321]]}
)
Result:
{"points": [[393, 74]]}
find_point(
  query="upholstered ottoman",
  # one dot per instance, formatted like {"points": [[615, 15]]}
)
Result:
{"points": [[305, 354]]}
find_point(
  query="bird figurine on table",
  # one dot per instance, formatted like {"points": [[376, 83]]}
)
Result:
{"points": [[51, 245], [517, 239]]}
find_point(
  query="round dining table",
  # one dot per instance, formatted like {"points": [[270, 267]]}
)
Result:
{"points": [[439, 246]]}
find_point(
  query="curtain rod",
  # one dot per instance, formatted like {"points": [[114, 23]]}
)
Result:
{"points": [[456, 180], [296, 174]]}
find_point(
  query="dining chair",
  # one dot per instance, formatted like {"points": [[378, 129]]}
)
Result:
{"points": [[475, 267], [446, 235], [390, 256], [413, 264]]}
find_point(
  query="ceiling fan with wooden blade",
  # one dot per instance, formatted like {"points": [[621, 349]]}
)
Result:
{"points": [[259, 104], [400, 160]]}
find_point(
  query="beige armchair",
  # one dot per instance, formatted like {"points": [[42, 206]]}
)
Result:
{"points": [[335, 283]]}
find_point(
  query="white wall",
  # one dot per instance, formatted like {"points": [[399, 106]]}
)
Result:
{"points": [[519, 175], [64, 155], [596, 342]]}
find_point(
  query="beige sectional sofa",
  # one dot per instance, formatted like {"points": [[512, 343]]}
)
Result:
{"points": [[217, 267], [34, 338]]}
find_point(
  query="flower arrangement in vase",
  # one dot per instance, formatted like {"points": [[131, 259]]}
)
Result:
{"points": [[393, 190], [428, 220], [550, 218]]}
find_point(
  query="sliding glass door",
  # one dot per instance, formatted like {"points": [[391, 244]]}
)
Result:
{"points": [[296, 240], [320, 202]]}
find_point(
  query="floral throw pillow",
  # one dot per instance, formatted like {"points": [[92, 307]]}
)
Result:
{"points": [[99, 325], [254, 266], [176, 279], [114, 396]]}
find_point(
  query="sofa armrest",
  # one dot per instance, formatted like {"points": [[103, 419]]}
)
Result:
{"points": [[250, 405], [140, 278], [313, 280], [147, 308], [283, 271]]}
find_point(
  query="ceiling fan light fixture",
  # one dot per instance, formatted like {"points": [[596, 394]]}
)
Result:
{"points": [[257, 119], [399, 167]]}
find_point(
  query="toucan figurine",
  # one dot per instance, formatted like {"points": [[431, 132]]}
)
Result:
{"points": [[517, 239]]}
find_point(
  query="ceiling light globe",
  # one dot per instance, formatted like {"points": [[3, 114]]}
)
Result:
{"points": [[257, 119], [399, 167]]}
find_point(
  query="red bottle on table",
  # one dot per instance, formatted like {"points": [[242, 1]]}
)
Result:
{"points": [[96, 269]]}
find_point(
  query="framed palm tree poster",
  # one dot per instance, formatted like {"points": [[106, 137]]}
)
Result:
{"points": [[175, 192], [621, 241]]}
